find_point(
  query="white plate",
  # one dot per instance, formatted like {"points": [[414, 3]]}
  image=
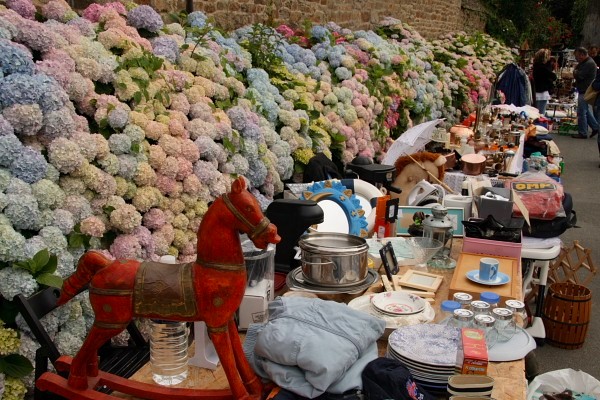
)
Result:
{"points": [[398, 303], [501, 278], [426, 344], [514, 349], [363, 303]]}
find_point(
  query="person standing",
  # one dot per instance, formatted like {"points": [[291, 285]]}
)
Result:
{"points": [[543, 79], [594, 54], [584, 74], [596, 86]]}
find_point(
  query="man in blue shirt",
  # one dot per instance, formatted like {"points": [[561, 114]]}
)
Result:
{"points": [[584, 73]]}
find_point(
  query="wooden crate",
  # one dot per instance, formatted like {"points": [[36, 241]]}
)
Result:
{"points": [[470, 261]]}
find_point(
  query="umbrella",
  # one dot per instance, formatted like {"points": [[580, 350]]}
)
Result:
{"points": [[411, 141]]}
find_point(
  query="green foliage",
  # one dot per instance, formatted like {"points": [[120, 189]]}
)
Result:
{"points": [[15, 365], [77, 239], [262, 44], [42, 267], [540, 23], [151, 64]]}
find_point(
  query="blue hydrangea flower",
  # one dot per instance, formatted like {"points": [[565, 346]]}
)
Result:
{"points": [[63, 219], [5, 127], [119, 143], [85, 26], [343, 73], [23, 212], [166, 47], [145, 17], [29, 166], [197, 19], [257, 173], [10, 146], [14, 59], [127, 165], [320, 33], [118, 117], [16, 281]]}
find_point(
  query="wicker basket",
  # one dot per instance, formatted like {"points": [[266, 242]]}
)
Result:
{"points": [[567, 312]]}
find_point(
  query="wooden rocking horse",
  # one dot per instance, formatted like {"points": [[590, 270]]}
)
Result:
{"points": [[210, 289]]}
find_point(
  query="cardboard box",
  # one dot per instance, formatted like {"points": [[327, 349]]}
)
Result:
{"points": [[469, 261], [472, 354], [255, 303]]}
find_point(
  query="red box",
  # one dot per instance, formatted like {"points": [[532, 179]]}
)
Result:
{"points": [[473, 354]]}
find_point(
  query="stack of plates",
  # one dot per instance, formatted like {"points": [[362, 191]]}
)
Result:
{"points": [[365, 304], [428, 351]]}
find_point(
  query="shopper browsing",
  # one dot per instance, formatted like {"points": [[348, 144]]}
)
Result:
{"points": [[584, 73], [543, 79]]}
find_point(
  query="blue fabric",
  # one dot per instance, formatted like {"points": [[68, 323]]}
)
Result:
{"points": [[513, 82], [541, 106], [585, 117], [312, 346]]}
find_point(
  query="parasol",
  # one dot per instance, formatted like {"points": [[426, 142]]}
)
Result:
{"points": [[411, 141]]}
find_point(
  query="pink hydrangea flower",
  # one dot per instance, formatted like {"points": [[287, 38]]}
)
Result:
{"points": [[92, 226]]}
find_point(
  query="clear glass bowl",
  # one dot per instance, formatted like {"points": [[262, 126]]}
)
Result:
{"points": [[423, 249]]}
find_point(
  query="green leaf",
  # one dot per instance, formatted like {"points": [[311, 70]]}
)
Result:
{"points": [[137, 97], [41, 258], [185, 46], [50, 280], [52, 264], [15, 365], [135, 148], [75, 240], [22, 264]]}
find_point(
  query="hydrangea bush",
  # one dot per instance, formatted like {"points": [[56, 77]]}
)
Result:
{"points": [[117, 129]]}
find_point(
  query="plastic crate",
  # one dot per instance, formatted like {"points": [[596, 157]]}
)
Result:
{"points": [[492, 247]]}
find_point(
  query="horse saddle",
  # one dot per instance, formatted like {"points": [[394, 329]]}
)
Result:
{"points": [[164, 289]]}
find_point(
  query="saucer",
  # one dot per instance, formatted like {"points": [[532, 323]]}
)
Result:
{"points": [[501, 278]]}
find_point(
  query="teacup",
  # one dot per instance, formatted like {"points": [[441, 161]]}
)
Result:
{"points": [[488, 268]]}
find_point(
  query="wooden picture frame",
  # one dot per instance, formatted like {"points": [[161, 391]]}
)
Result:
{"points": [[405, 219], [420, 280]]}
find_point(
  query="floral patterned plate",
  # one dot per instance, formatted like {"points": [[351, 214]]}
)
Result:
{"points": [[398, 303], [426, 344]]}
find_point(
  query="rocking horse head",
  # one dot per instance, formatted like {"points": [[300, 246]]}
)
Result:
{"points": [[250, 219]]}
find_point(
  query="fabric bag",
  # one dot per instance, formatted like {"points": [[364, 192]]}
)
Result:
{"points": [[590, 95]]}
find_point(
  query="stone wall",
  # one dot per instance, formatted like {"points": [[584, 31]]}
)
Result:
{"points": [[429, 17]]}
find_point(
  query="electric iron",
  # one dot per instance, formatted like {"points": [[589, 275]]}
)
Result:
{"points": [[425, 193]]}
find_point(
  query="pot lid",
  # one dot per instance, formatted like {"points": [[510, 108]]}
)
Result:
{"points": [[332, 242]]}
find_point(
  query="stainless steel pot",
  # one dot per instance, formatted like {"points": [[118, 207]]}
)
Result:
{"points": [[333, 259]]}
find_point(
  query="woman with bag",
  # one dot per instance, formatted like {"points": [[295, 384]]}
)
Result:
{"points": [[543, 79]]}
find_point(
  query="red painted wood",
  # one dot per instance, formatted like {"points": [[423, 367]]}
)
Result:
{"points": [[218, 294]]}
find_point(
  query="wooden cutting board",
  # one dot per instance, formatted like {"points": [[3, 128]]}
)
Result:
{"points": [[470, 261]]}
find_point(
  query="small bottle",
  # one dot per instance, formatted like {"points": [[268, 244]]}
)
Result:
{"points": [[464, 299], [480, 307], [505, 324], [448, 307], [519, 313], [487, 324], [493, 299], [461, 318], [168, 351]]}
